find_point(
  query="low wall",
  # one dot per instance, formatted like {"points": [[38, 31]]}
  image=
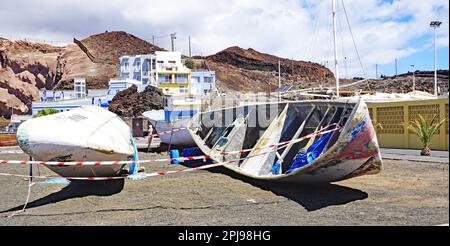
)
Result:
{"points": [[389, 118]]}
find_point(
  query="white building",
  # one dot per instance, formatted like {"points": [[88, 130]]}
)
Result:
{"points": [[203, 82], [166, 71]]}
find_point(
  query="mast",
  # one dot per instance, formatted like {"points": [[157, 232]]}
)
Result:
{"points": [[279, 81], [336, 67]]}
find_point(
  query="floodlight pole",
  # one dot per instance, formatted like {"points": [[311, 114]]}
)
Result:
{"points": [[434, 25], [414, 79]]}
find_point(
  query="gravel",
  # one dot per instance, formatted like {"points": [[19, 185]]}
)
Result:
{"points": [[404, 193]]}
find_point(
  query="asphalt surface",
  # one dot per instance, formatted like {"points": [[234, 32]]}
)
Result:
{"points": [[404, 193]]}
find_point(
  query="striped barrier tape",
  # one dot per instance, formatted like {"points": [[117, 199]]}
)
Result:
{"points": [[11, 152], [51, 177], [181, 159], [153, 174]]}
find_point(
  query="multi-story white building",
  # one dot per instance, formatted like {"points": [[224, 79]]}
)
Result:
{"points": [[164, 70]]}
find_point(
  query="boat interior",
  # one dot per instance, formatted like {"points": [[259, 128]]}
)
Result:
{"points": [[247, 127]]}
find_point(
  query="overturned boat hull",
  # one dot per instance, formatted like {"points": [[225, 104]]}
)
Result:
{"points": [[348, 152], [181, 137], [88, 133]]}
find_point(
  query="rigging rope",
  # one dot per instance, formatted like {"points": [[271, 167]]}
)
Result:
{"points": [[353, 38]]}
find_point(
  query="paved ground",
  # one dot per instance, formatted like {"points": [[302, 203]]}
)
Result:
{"points": [[414, 155], [405, 193]]}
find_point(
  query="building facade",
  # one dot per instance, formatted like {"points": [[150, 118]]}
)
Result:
{"points": [[202, 82], [164, 70]]}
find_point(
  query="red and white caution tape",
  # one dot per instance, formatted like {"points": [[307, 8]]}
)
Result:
{"points": [[181, 159], [276, 147], [144, 174], [11, 152]]}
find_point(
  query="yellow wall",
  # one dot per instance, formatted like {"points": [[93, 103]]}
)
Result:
{"points": [[392, 115], [172, 88]]}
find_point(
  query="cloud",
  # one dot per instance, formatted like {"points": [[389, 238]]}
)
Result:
{"points": [[299, 29]]}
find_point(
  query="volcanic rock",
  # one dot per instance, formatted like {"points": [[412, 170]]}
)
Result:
{"points": [[131, 103]]}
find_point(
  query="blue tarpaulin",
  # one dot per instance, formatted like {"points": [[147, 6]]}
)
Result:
{"points": [[303, 159]]}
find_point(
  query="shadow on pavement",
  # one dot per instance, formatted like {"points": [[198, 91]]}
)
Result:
{"points": [[311, 196], [76, 189]]}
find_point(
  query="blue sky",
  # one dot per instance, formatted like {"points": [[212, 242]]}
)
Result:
{"points": [[423, 60], [300, 29]]}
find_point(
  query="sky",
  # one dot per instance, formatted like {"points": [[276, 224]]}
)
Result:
{"points": [[383, 30]]}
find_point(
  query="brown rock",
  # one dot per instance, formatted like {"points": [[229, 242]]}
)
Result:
{"points": [[130, 103]]}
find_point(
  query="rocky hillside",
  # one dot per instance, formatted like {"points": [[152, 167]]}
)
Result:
{"points": [[27, 67], [109, 46], [24, 69], [248, 70], [403, 83]]}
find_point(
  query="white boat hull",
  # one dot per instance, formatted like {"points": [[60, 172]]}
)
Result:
{"points": [[88, 133], [181, 137]]}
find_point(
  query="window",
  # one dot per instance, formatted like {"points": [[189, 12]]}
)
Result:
{"points": [[138, 65], [181, 78], [207, 79], [164, 78], [183, 89], [195, 79]]}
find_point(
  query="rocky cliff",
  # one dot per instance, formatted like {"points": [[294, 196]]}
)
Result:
{"points": [[24, 69], [27, 67], [249, 70]]}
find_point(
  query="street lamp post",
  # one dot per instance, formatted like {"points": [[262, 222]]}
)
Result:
{"points": [[434, 25], [414, 79]]}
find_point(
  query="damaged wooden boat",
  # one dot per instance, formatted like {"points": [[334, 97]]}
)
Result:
{"points": [[88, 133], [351, 150]]}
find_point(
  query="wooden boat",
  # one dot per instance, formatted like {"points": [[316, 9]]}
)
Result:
{"points": [[348, 152], [87, 133]]}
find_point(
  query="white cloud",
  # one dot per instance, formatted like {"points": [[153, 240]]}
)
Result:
{"points": [[299, 29]]}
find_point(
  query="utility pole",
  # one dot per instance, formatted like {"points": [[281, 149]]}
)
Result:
{"points": [[279, 81], [435, 24], [190, 54], [414, 79], [336, 67], [153, 39], [172, 39], [396, 71], [376, 71]]}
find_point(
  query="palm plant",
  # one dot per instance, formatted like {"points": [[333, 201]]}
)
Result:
{"points": [[47, 111], [424, 131]]}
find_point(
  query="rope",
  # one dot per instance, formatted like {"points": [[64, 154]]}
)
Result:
{"points": [[30, 183], [353, 38], [135, 165]]}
